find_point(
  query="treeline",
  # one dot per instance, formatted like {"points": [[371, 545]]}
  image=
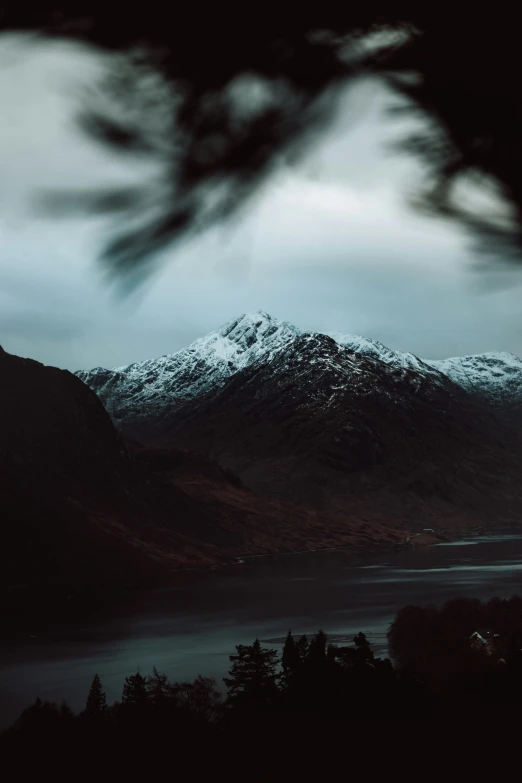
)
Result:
{"points": [[423, 639], [436, 673], [435, 646], [310, 682]]}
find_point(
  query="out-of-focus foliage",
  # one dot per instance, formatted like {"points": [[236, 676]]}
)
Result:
{"points": [[215, 95]]}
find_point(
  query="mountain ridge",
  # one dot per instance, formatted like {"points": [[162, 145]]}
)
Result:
{"points": [[211, 361], [84, 507], [337, 425]]}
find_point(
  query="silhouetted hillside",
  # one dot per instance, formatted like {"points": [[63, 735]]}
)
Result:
{"points": [[81, 507]]}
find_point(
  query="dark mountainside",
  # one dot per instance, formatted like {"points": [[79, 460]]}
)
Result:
{"points": [[254, 440], [339, 431], [412, 452], [79, 507], [75, 507]]}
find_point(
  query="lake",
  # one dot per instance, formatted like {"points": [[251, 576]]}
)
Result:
{"points": [[192, 628]]}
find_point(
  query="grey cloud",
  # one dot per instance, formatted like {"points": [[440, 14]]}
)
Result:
{"points": [[28, 324], [329, 245]]}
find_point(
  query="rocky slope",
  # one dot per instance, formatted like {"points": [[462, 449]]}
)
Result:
{"points": [[162, 386], [338, 425], [79, 507], [495, 378]]}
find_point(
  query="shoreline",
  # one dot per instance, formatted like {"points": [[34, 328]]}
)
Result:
{"points": [[48, 609]]}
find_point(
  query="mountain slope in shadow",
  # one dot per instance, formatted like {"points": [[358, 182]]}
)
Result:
{"points": [[80, 506], [339, 426]]}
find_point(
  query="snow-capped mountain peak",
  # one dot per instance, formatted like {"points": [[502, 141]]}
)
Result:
{"points": [[242, 341], [235, 344], [496, 376], [206, 365], [369, 347]]}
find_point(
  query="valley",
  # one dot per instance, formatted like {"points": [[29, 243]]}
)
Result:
{"points": [[255, 440], [342, 426]]}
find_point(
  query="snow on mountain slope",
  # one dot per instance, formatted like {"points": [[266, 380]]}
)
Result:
{"points": [[209, 362], [232, 347], [332, 423], [204, 365], [368, 347], [497, 377]]}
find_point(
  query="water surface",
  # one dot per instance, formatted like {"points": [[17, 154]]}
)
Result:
{"points": [[192, 628]]}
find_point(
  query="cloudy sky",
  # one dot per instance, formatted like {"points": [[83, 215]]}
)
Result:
{"points": [[329, 244]]}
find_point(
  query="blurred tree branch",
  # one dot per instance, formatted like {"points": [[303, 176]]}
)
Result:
{"points": [[216, 95]]}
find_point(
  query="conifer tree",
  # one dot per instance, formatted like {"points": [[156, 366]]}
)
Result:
{"points": [[253, 675], [291, 660], [96, 706], [303, 647], [135, 691], [365, 654], [317, 650]]}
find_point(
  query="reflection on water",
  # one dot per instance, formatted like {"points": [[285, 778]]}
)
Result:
{"points": [[192, 628], [479, 540]]}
